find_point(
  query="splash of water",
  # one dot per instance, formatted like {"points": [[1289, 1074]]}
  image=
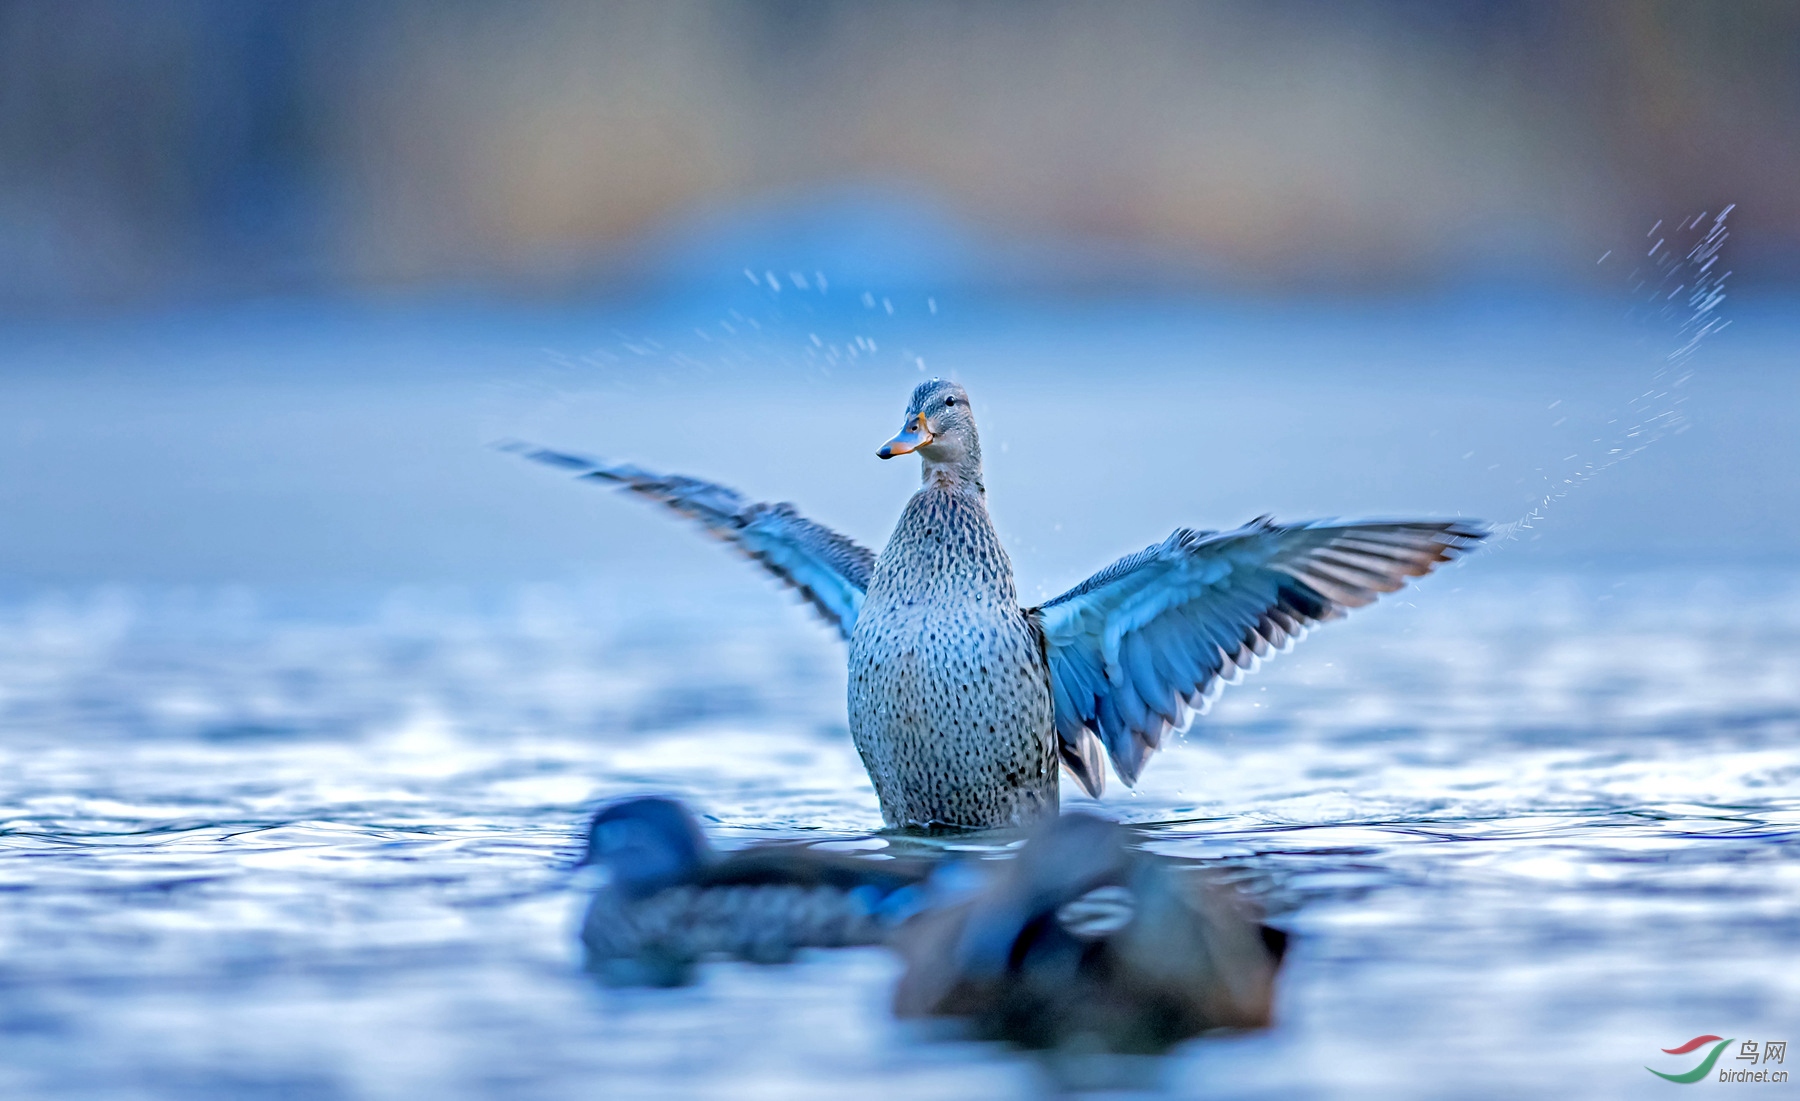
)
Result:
{"points": [[1678, 288], [797, 321]]}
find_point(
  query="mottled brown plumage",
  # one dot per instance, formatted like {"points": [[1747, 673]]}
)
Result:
{"points": [[949, 692], [1081, 941]]}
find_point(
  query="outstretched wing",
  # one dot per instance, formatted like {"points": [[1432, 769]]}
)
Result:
{"points": [[1156, 634], [829, 570]]}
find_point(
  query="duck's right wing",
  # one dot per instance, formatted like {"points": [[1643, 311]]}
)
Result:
{"points": [[829, 570]]}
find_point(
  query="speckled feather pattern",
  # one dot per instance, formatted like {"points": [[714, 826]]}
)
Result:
{"points": [[949, 692], [759, 923]]}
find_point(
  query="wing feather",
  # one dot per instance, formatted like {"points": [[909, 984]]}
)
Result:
{"points": [[1151, 639], [830, 571]]}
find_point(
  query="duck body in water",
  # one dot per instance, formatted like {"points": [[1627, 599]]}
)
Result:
{"points": [[669, 901], [949, 690], [1082, 940], [965, 706]]}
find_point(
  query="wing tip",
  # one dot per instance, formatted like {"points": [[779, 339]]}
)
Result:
{"points": [[561, 460], [1089, 775]]}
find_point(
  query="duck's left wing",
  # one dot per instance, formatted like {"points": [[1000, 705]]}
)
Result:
{"points": [[1138, 646], [828, 569]]}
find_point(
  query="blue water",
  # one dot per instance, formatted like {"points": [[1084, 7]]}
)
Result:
{"points": [[1527, 827], [305, 692]]}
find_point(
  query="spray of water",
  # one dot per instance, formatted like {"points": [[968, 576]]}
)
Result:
{"points": [[792, 321], [1675, 292]]}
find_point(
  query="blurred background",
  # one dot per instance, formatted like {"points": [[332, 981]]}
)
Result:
{"points": [[304, 687], [193, 149], [272, 273]]}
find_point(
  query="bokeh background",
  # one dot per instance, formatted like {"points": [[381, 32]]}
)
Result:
{"points": [[182, 151], [305, 687], [271, 274]]}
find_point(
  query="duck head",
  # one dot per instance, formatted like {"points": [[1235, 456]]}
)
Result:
{"points": [[941, 428], [646, 844]]}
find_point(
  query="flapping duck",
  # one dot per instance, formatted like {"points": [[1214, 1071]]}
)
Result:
{"points": [[962, 703]]}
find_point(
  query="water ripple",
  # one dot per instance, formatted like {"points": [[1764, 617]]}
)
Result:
{"points": [[302, 859]]}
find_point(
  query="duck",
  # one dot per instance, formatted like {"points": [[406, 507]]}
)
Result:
{"points": [[966, 706], [1080, 942], [668, 900]]}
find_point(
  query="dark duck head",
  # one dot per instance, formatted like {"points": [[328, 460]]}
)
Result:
{"points": [[1081, 939], [669, 900], [646, 844]]}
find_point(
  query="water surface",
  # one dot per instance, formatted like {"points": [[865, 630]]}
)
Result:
{"points": [[1527, 827]]}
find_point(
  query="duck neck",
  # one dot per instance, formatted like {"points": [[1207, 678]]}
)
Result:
{"points": [[958, 468]]}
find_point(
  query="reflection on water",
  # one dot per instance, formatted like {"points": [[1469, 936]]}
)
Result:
{"points": [[1526, 833]]}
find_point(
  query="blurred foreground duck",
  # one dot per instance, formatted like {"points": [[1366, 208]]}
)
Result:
{"points": [[668, 900], [962, 702], [1080, 943]]}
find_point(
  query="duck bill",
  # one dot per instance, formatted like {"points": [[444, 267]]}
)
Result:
{"points": [[914, 436]]}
